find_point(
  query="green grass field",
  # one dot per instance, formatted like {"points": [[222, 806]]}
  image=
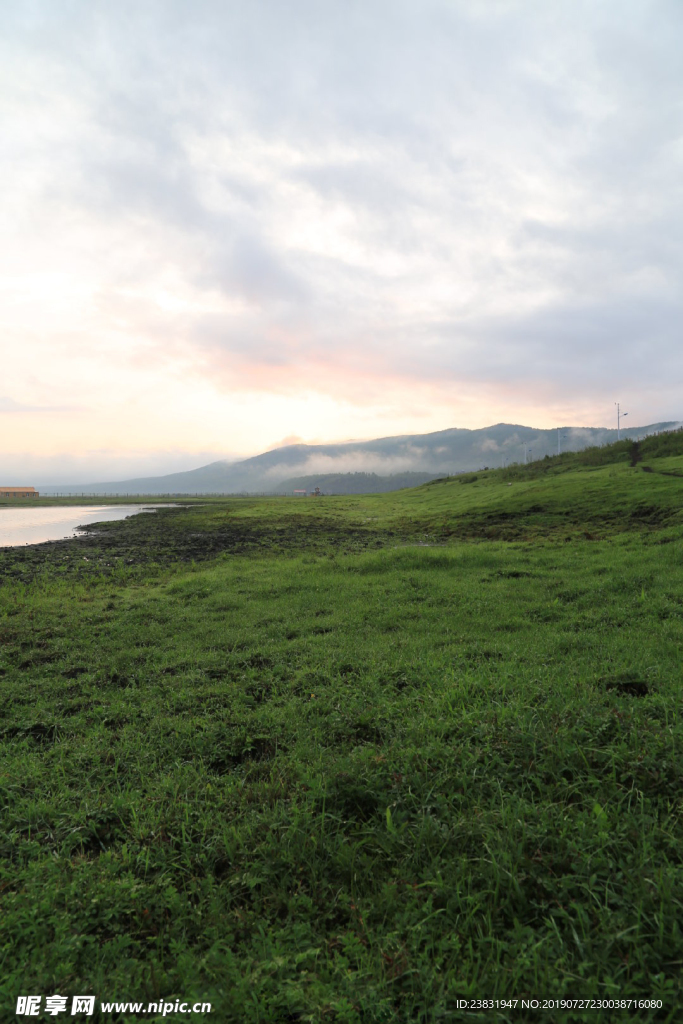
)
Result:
{"points": [[354, 759]]}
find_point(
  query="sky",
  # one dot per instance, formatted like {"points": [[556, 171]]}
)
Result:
{"points": [[228, 226]]}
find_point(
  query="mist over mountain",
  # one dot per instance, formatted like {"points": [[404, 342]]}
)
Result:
{"points": [[283, 470]]}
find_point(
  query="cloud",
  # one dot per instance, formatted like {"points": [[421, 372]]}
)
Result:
{"points": [[349, 462], [91, 465], [10, 405], [437, 205], [286, 441]]}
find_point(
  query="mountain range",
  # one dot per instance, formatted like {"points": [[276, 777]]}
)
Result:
{"points": [[386, 463]]}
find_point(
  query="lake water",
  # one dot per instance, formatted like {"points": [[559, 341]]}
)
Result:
{"points": [[36, 525]]}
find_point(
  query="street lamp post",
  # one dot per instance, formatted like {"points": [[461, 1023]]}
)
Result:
{"points": [[619, 415]]}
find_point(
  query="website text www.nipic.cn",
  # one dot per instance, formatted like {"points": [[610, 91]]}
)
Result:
{"points": [[30, 1006]]}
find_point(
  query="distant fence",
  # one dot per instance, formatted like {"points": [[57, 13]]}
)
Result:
{"points": [[170, 496]]}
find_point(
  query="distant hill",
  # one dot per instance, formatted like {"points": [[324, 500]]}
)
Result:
{"points": [[354, 483], [436, 454]]}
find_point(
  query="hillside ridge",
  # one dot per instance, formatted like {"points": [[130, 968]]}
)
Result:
{"points": [[434, 454]]}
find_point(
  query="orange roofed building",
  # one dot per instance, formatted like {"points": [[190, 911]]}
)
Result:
{"points": [[18, 492]]}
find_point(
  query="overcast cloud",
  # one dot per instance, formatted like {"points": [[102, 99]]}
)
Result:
{"points": [[226, 223]]}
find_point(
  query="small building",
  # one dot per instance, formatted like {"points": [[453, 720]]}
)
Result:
{"points": [[300, 492], [18, 492]]}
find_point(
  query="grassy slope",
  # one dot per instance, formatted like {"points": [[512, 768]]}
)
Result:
{"points": [[352, 759]]}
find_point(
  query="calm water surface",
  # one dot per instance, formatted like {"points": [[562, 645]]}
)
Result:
{"points": [[35, 525]]}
